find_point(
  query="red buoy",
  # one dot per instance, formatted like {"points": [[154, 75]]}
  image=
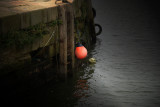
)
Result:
{"points": [[81, 51]]}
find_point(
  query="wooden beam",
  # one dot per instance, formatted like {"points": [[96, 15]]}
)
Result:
{"points": [[63, 40], [70, 34]]}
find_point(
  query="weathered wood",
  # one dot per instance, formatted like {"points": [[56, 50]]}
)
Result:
{"points": [[70, 34], [63, 40]]}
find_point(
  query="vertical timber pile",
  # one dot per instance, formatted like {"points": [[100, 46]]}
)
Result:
{"points": [[70, 34], [66, 36], [63, 41]]}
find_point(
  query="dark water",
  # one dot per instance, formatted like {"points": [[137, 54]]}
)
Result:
{"points": [[127, 71]]}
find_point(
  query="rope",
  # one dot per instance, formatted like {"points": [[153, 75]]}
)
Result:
{"points": [[78, 33], [49, 39], [42, 49]]}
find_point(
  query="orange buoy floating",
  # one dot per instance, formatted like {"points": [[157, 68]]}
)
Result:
{"points": [[81, 51]]}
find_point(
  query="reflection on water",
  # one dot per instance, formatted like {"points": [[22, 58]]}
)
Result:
{"points": [[126, 72], [39, 85]]}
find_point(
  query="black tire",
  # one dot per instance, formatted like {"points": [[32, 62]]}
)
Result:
{"points": [[100, 29], [94, 12]]}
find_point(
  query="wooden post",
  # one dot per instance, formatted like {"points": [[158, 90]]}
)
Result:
{"points": [[70, 34], [63, 41], [91, 21]]}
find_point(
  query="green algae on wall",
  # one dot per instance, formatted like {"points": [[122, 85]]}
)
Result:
{"points": [[21, 38], [16, 46], [82, 24], [22, 46]]}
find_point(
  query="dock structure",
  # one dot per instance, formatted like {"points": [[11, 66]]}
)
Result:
{"points": [[22, 21]]}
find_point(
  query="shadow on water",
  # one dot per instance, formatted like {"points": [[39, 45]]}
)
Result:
{"points": [[39, 85]]}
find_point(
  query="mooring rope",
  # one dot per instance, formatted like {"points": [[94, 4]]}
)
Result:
{"points": [[42, 49], [49, 39], [78, 33]]}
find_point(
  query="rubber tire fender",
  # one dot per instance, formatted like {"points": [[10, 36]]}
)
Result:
{"points": [[100, 29]]}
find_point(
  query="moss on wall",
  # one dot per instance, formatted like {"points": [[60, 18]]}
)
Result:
{"points": [[21, 38], [82, 25], [22, 45]]}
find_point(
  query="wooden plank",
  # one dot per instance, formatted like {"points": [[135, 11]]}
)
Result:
{"points": [[63, 40], [70, 34]]}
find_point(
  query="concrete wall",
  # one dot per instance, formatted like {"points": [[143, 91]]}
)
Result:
{"points": [[26, 19], [13, 57]]}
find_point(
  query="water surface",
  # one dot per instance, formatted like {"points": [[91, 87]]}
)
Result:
{"points": [[126, 74]]}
